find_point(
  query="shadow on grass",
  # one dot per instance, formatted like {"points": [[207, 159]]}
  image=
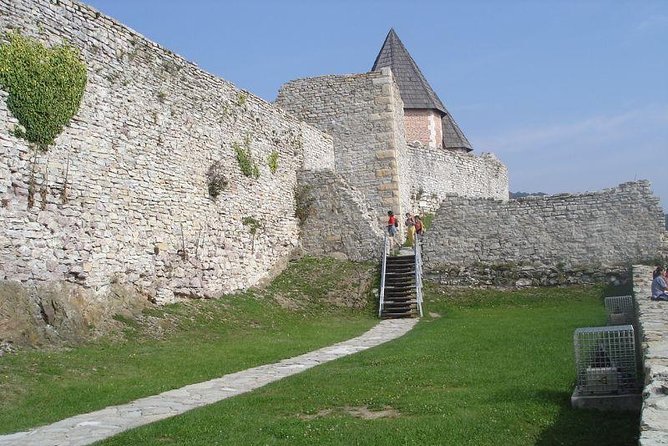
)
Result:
{"points": [[617, 290], [579, 427], [587, 427]]}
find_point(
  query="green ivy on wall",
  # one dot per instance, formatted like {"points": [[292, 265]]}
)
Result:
{"points": [[45, 86]]}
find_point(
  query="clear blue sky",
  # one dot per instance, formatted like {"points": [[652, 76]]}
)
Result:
{"points": [[571, 95]]}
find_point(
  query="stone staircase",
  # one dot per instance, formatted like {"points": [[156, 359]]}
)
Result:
{"points": [[400, 297]]}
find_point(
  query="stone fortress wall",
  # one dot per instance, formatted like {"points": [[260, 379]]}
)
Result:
{"points": [[361, 114], [545, 240], [435, 174], [135, 158], [357, 111], [134, 164]]}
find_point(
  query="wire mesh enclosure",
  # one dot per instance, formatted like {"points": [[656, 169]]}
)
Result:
{"points": [[605, 360], [620, 310]]}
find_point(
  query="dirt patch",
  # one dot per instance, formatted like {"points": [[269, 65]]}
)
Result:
{"points": [[286, 302], [61, 313], [352, 290], [362, 412]]}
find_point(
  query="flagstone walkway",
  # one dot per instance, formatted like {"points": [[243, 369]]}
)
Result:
{"points": [[91, 427]]}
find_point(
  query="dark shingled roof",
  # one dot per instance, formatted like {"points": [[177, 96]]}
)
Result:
{"points": [[414, 89], [453, 137]]}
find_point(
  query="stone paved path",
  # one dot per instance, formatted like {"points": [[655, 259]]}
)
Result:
{"points": [[91, 427]]}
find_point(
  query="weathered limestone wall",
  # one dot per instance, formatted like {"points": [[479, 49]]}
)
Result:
{"points": [[365, 116], [437, 173], [133, 163], [361, 114], [653, 325], [572, 234], [340, 222]]}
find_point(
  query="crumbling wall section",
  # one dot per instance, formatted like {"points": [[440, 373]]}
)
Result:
{"points": [[338, 222], [434, 174], [564, 234]]}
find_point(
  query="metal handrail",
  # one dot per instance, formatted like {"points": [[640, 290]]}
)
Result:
{"points": [[417, 250], [381, 303]]}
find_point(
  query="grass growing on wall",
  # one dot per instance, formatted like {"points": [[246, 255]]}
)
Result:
{"points": [[486, 368], [45, 86]]}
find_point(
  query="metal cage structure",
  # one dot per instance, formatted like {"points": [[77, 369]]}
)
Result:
{"points": [[620, 310], [605, 360]]}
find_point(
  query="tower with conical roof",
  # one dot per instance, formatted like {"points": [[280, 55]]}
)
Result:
{"points": [[425, 117]]}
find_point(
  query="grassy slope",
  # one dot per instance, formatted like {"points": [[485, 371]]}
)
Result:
{"points": [[494, 369], [201, 340]]}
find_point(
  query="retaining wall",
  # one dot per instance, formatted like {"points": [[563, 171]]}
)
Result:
{"points": [[653, 325]]}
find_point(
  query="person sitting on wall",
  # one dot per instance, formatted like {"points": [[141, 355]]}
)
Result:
{"points": [[656, 272], [659, 287]]}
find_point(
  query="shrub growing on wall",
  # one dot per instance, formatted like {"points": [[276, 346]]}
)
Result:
{"points": [[304, 203], [45, 86], [245, 159], [216, 179], [272, 161]]}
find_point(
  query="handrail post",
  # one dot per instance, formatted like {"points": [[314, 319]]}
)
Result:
{"points": [[381, 303], [417, 250]]}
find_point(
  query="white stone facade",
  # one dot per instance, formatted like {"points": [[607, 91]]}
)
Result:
{"points": [[134, 162]]}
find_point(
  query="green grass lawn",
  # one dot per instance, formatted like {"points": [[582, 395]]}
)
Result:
{"points": [[486, 368], [180, 344]]}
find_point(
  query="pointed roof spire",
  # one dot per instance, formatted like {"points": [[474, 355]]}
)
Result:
{"points": [[414, 89]]}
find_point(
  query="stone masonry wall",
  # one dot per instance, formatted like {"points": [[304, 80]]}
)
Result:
{"points": [[122, 195], [340, 222], [653, 326], [601, 231], [437, 173], [361, 114], [365, 116]]}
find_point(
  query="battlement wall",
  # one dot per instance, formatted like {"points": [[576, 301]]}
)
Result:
{"points": [[556, 234], [122, 196], [435, 173]]}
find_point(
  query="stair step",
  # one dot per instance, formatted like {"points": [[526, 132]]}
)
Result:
{"points": [[399, 289], [400, 272], [398, 315], [399, 307], [400, 284], [404, 272]]}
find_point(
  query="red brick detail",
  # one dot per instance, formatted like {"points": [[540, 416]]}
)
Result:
{"points": [[423, 126]]}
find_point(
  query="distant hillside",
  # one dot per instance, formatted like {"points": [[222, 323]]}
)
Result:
{"points": [[666, 215], [526, 194]]}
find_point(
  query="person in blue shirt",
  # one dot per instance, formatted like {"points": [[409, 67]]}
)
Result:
{"points": [[659, 287]]}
